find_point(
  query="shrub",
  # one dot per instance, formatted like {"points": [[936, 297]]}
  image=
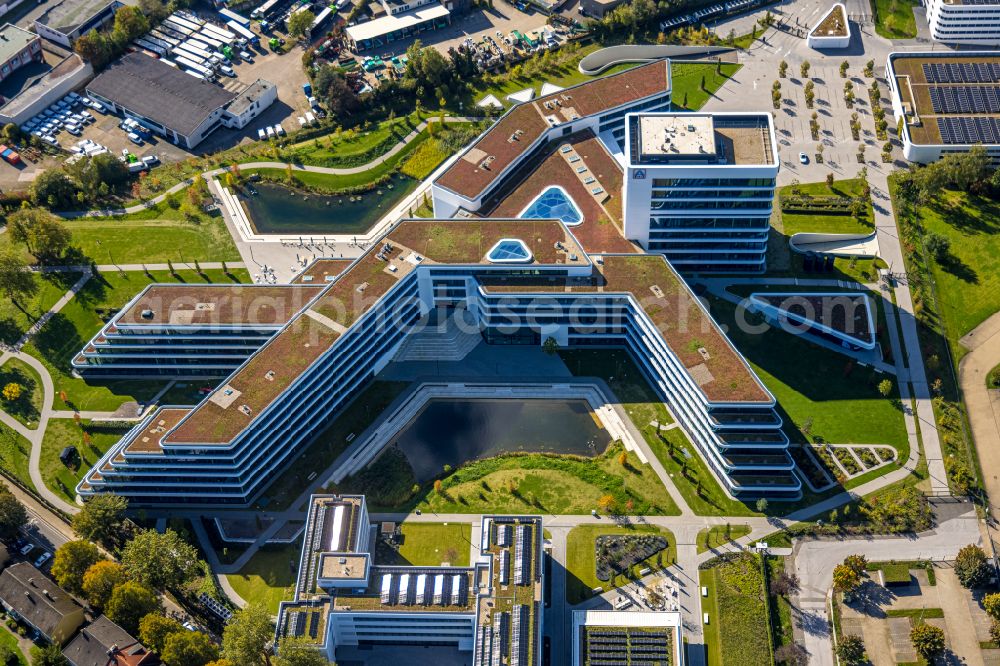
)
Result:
{"points": [[971, 567]]}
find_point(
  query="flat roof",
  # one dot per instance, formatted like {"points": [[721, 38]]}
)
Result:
{"points": [[194, 305], [322, 271], [245, 99], [692, 335], [164, 94], [502, 144], [700, 138], [13, 40], [392, 23], [270, 371], [915, 91], [67, 15], [147, 439]]}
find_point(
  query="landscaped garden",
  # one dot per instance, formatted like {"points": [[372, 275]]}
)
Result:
{"points": [[427, 545], [819, 208], [17, 317], [737, 608], [585, 557], [14, 453], [90, 440], [614, 482]]}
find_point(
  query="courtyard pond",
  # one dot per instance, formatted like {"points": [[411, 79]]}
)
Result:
{"points": [[451, 432], [278, 209]]}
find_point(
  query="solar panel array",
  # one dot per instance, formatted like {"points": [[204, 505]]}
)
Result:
{"points": [[302, 623], [627, 647], [519, 638], [965, 99], [962, 72], [965, 130], [522, 555]]}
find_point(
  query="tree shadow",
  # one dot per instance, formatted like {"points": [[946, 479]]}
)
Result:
{"points": [[58, 341]]}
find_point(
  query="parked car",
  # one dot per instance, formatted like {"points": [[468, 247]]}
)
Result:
{"points": [[135, 138], [75, 130], [42, 559], [27, 548], [150, 160], [803, 158], [261, 135], [246, 57]]}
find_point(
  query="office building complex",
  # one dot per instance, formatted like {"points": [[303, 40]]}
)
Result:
{"points": [[522, 282], [964, 21], [344, 598], [948, 103], [699, 188]]}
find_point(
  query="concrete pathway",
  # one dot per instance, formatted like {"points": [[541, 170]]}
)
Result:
{"points": [[982, 404]]}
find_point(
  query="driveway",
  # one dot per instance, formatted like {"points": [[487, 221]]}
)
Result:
{"points": [[815, 560]]}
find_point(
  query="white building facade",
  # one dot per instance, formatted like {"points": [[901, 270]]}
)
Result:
{"points": [[964, 21], [699, 188]]}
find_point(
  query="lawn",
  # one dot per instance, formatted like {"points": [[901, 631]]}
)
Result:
{"points": [[894, 18], [517, 483], [61, 433], [687, 91], [993, 378], [424, 160], [16, 319], [968, 283], [10, 641], [737, 609], [14, 453], [719, 535], [432, 544], [581, 567], [28, 407], [844, 408], [66, 333], [269, 576], [793, 223]]}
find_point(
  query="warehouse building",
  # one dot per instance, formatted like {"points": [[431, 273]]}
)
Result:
{"points": [[64, 21], [18, 47], [172, 103]]}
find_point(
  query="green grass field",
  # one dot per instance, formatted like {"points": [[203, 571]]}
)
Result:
{"points": [[353, 147], [736, 633], [268, 577], [28, 407], [16, 319], [719, 535], [14, 453], [432, 544], [844, 408], [687, 92], [61, 433], [581, 567], [10, 640], [894, 18], [794, 223], [65, 334], [968, 282]]}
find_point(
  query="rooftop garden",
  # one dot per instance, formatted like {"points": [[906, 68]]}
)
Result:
{"points": [[737, 607], [820, 208], [834, 24], [428, 544]]}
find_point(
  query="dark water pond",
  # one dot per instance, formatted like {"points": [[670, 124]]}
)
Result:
{"points": [[450, 432], [277, 209]]}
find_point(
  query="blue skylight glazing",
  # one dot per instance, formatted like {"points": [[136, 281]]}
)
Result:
{"points": [[509, 251], [553, 204]]}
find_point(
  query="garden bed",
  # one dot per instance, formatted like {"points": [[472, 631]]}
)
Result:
{"points": [[615, 554]]}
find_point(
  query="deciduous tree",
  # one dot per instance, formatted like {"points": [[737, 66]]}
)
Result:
{"points": [[927, 640], [100, 580], [13, 515], [18, 284], [129, 603], [247, 635], [851, 651], [71, 563], [971, 566], [161, 561], [101, 517], [189, 648]]}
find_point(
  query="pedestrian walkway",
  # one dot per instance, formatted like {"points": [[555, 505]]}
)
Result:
{"points": [[983, 404]]}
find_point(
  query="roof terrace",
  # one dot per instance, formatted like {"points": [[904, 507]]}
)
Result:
{"points": [[503, 144], [269, 372]]}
